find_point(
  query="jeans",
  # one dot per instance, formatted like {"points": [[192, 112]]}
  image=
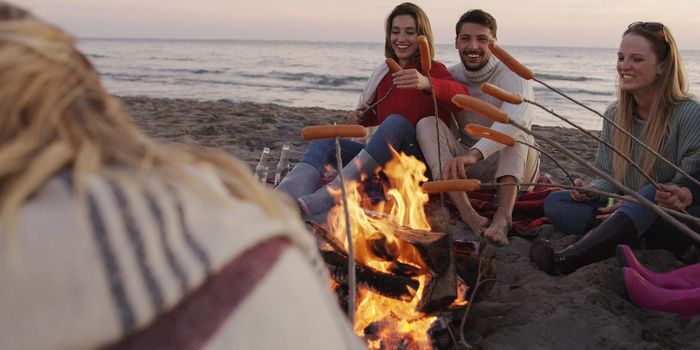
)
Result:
{"points": [[395, 131], [573, 217]]}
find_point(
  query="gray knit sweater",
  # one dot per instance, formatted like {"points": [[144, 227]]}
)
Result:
{"points": [[681, 146]]}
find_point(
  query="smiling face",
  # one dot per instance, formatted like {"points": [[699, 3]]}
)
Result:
{"points": [[404, 38], [472, 43], [637, 64]]}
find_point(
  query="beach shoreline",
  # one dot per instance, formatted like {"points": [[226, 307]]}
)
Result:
{"points": [[526, 309]]}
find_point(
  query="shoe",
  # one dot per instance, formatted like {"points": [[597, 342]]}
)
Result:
{"points": [[687, 277], [598, 244], [685, 302], [542, 254]]}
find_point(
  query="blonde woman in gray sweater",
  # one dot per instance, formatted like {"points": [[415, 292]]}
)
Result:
{"points": [[654, 106]]}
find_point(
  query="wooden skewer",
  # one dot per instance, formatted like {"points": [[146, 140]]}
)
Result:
{"points": [[470, 185], [482, 131], [336, 132]]}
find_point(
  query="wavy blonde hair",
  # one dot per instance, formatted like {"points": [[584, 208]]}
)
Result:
{"points": [[56, 116], [670, 88]]}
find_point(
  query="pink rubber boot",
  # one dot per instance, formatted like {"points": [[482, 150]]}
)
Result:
{"points": [[685, 302], [687, 277]]}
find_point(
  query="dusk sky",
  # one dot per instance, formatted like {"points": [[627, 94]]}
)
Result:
{"points": [[580, 23]]}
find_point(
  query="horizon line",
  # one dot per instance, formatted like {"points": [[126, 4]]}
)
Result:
{"points": [[322, 41]]}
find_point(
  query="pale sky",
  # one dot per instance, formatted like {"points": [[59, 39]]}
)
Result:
{"points": [[580, 23]]}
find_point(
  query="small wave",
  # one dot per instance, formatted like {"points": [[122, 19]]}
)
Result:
{"points": [[135, 78], [94, 55], [257, 84], [540, 90], [194, 71], [178, 59], [307, 77], [564, 77]]}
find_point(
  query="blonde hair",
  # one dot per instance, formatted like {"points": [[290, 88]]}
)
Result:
{"points": [[670, 88], [56, 116], [422, 28]]}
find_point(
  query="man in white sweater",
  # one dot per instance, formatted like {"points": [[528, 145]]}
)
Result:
{"points": [[464, 157]]}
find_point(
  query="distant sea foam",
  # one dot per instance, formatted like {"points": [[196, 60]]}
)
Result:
{"points": [[331, 75]]}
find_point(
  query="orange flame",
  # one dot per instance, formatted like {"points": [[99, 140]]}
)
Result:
{"points": [[396, 321]]}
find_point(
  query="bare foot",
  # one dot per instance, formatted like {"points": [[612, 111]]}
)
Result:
{"points": [[498, 231], [477, 223]]}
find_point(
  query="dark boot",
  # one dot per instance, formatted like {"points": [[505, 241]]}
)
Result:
{"points": [[598, 244]]}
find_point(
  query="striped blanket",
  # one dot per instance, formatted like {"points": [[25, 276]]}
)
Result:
{"points": [[142, 264]]}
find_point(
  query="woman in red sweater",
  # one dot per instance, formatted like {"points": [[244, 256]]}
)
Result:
{"points": [[394, 103]]}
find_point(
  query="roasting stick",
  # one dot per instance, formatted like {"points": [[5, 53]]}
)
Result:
{"points": [[493, 113], [516, 99], [525, 73], [336, 132], [393, 68], [482, 131], [426, 65], [470, 185]]}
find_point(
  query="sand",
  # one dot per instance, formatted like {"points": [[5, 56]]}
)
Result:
{"points": [[526, 309]]}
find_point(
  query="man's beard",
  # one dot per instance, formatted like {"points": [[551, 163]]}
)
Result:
{"points": [[480, 65]]}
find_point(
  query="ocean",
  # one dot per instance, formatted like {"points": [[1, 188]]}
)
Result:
{"points": [[331, 75]]}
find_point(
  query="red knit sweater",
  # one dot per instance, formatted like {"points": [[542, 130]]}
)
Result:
{"points": [[416, 104]]}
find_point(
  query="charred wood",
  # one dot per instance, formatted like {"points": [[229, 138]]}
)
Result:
{"points": [[388, 285]]}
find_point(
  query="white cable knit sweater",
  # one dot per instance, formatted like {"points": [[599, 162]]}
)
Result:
{"points": [[498, 74]]}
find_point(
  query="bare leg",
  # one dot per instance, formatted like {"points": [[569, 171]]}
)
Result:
{"points": [[497, 232], [469, 216]]}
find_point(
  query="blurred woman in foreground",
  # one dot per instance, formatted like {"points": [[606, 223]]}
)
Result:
{"points": [[110, 239]]}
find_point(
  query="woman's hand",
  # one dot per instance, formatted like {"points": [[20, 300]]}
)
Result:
{"points": [[353, 117], [411, 79], [604, 212], [583, 196], [674, 197]]}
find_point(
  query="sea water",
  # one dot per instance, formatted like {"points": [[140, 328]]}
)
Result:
{"points": [[331, 75]]}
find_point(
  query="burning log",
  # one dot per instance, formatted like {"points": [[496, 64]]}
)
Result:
{"points": [[389, 285], [437, 251]]}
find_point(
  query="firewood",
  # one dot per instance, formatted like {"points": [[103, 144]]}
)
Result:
{"points": [[386, 284], [441, 289]]}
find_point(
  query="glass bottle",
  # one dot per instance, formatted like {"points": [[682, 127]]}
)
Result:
{"points": [[261, 168], [282, 166]]}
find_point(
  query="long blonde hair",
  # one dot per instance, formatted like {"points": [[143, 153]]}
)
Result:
{"points": [[670, 88], [56, 116]]}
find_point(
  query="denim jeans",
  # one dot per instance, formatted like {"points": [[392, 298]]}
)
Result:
{"points": [[395, 131], [573, 217]]}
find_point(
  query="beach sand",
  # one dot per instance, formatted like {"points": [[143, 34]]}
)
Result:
{"points": [[526, 309]]}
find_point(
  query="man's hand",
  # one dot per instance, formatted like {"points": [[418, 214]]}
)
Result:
{"points": [[583, 196], [456, 168], [674, 197], [411, 79]]}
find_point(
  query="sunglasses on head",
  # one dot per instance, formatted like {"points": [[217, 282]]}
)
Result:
{"points": [[650, 26]]}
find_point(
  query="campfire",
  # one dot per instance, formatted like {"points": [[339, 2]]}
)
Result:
{"points": [[405, 272]]}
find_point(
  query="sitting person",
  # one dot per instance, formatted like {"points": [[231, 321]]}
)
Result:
{"points": [[462, 156], [676, 291], [396, 113], [109, 239], [654, 106]]}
